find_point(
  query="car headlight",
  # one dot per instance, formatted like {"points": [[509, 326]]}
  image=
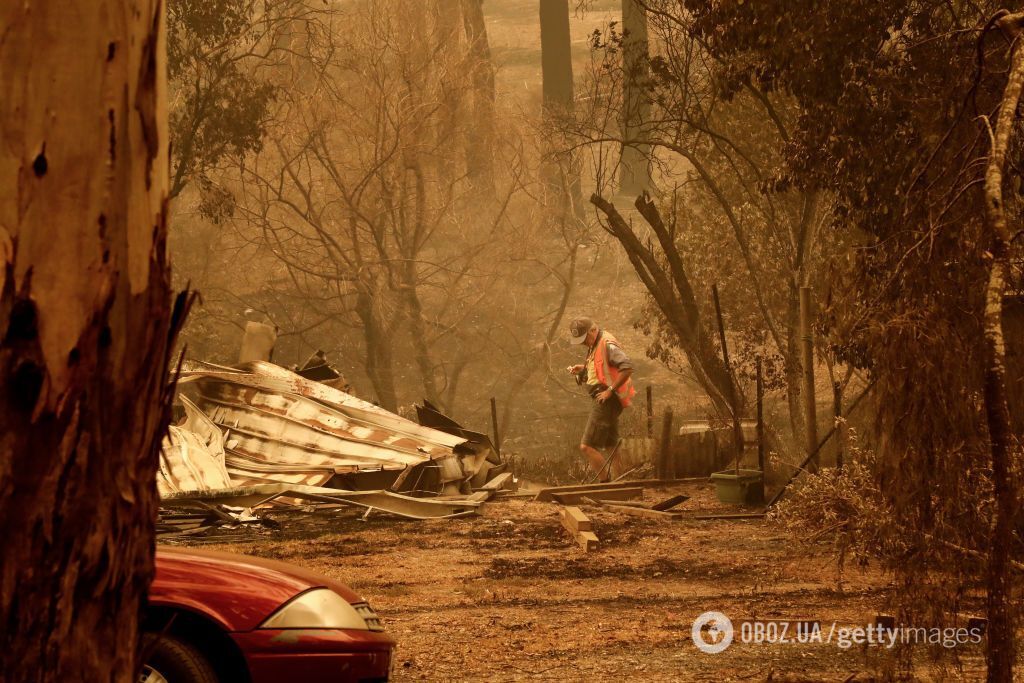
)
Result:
{"points": [[317, 608]]}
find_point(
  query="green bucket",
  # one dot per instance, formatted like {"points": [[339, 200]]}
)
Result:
{"points": [[745, 488]]}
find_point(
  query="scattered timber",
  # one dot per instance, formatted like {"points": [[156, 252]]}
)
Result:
{"points": [[574, 520], [733, 515], [580, 527], [574, 497], [546, 495], [587, 540], [384, 501], [670, 503], [644, 512]]}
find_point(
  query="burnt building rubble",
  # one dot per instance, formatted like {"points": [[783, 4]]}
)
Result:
{"points": [[257, 436]]}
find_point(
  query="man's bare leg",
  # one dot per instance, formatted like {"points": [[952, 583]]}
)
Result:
{"points": [[595, 458]]}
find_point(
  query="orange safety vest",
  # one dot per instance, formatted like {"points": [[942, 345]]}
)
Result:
{"points": [[626, 392]]}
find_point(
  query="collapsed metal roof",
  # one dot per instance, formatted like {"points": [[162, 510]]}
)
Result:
{"points": [[275, 426]]}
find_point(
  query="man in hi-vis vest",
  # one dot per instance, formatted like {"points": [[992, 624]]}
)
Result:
{"points": [[606, 375]]}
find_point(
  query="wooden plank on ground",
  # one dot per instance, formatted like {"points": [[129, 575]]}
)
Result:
{"points": [[574, 497], [502, 481], [734, 515], [574, 520], [644, 512], [587, 540], [669, 503], [546, 494]]}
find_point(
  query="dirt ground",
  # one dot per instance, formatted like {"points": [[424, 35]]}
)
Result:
{"points": [[509, 596]]}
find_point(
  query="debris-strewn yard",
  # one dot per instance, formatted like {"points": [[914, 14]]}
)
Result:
{"points": [[509, 596]]}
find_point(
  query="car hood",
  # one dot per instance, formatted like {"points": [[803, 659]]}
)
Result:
{"points": [[237, 591]]}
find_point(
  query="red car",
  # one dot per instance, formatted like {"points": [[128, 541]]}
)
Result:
{"points": [[220, 618]]}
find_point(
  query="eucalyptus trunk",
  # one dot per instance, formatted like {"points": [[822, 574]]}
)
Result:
{"points": [[1001, 650], [85, 331]]}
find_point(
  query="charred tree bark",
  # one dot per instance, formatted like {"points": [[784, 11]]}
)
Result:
{"points": [[1000, 653], [634, 166], [85, 331], [674, 296]]}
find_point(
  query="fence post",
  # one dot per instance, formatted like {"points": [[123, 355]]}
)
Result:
{"points": [[650, 412], [665, 448], [494, 425]]}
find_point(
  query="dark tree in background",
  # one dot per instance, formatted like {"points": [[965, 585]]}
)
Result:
{"points": [[85, 326], [220, 53], [897, 100], [556, 54], [635, 165]]}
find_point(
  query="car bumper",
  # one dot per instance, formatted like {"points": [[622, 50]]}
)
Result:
{"points": [[316, 655]]}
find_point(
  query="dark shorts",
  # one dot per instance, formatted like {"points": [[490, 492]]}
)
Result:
{"points": [[603, 424]]}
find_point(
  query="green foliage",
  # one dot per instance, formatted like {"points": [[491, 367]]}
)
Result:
{"points": [[220, 101]]}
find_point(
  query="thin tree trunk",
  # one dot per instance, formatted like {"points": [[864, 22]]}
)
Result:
{"points": [[480, 135], [634, 167], [418, 333], [379, 364], [1000, 653], [85, 331], [807, 386], [793, 370]]}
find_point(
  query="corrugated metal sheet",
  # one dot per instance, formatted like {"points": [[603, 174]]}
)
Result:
{"points": [[193, 455], [280, 427]]}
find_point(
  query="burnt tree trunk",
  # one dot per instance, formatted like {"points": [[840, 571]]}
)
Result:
{"points": [[85, 331], [1000, 653]]}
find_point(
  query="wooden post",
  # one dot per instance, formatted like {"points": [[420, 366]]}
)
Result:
{"points": [[494, 425], [737, 429], [807, 360], [760, 419], [665, 448], [837, 411], [650, 412]]}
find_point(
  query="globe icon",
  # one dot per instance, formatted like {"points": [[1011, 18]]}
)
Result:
{"points": [[712, 632]]}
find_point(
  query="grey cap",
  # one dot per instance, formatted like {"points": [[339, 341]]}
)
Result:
{"points": [[578, 329]]}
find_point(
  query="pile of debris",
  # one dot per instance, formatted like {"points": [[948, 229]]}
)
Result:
{"points": [[259, 435]]}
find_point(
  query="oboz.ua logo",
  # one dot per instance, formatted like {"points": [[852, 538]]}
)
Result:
{"points": [[712, 632]]}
